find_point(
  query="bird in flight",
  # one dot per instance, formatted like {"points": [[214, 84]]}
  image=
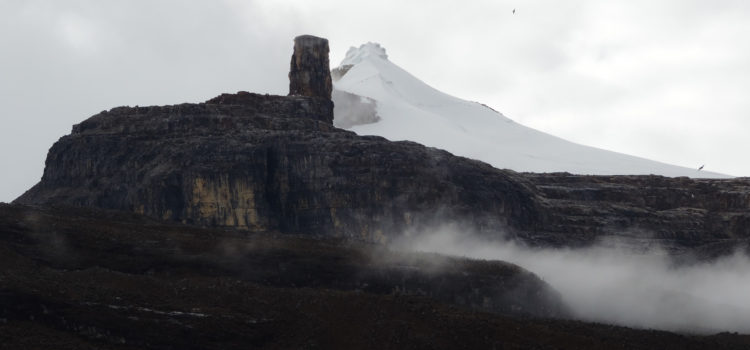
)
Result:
{"points": [[701, 167], [514, 11]]}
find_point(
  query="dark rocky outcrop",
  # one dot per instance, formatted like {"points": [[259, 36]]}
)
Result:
{"points": [[309, 74], [263, 163], [679, 213]]}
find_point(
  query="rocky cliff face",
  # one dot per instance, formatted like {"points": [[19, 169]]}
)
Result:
{"points": [[270, 163], [264, 162], [679, 212]]}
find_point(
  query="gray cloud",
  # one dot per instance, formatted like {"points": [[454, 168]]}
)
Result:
{"points": [[664, 81]]}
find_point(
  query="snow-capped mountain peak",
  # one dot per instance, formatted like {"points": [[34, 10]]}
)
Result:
{"points": [[374, 96], [356, 55]]}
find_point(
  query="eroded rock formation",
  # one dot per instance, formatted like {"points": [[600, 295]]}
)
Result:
{"points": [[225, 163], [309, 74]]}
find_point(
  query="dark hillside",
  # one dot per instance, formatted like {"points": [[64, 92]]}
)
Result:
{"points": [[77, 278]]}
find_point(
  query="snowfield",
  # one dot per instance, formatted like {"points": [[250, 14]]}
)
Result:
{"points": [[408, 109]]}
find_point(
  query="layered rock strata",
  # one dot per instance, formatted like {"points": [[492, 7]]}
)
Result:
{"points": [[270, 163], [677, 213]]}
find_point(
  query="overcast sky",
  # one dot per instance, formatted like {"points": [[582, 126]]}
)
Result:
{"points": [[664, 80]]}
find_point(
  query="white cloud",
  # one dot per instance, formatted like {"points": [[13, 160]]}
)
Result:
{"points": [[613, 283]]}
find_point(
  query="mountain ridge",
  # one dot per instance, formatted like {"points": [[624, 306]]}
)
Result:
{"points": [[409, 109]]}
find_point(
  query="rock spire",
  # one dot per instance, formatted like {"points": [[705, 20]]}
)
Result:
{"points": [[310, 74]]}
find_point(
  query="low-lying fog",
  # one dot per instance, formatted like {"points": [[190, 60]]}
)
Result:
{"points": [[612, 284]]}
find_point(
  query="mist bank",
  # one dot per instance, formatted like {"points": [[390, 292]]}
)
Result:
{"points": [[614, 283]]}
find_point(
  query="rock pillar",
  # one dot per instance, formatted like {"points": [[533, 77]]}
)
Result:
{"points": [[310, 74]]}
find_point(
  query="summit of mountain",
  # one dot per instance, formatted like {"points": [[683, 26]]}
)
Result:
{"points": [[398, 106]]}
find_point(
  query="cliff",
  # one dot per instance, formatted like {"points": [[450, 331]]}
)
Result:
{"points": [[711, 216], [260, 162], [270, 163]]}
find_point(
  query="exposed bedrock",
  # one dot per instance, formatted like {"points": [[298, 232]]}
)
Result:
{"points": [[713, 214], [243, 166]]}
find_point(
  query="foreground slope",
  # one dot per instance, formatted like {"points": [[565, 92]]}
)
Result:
{"points": [[79, 278], [408, 109]]}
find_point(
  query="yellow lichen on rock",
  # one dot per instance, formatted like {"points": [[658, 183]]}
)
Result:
{"points": [[228, 202]]}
